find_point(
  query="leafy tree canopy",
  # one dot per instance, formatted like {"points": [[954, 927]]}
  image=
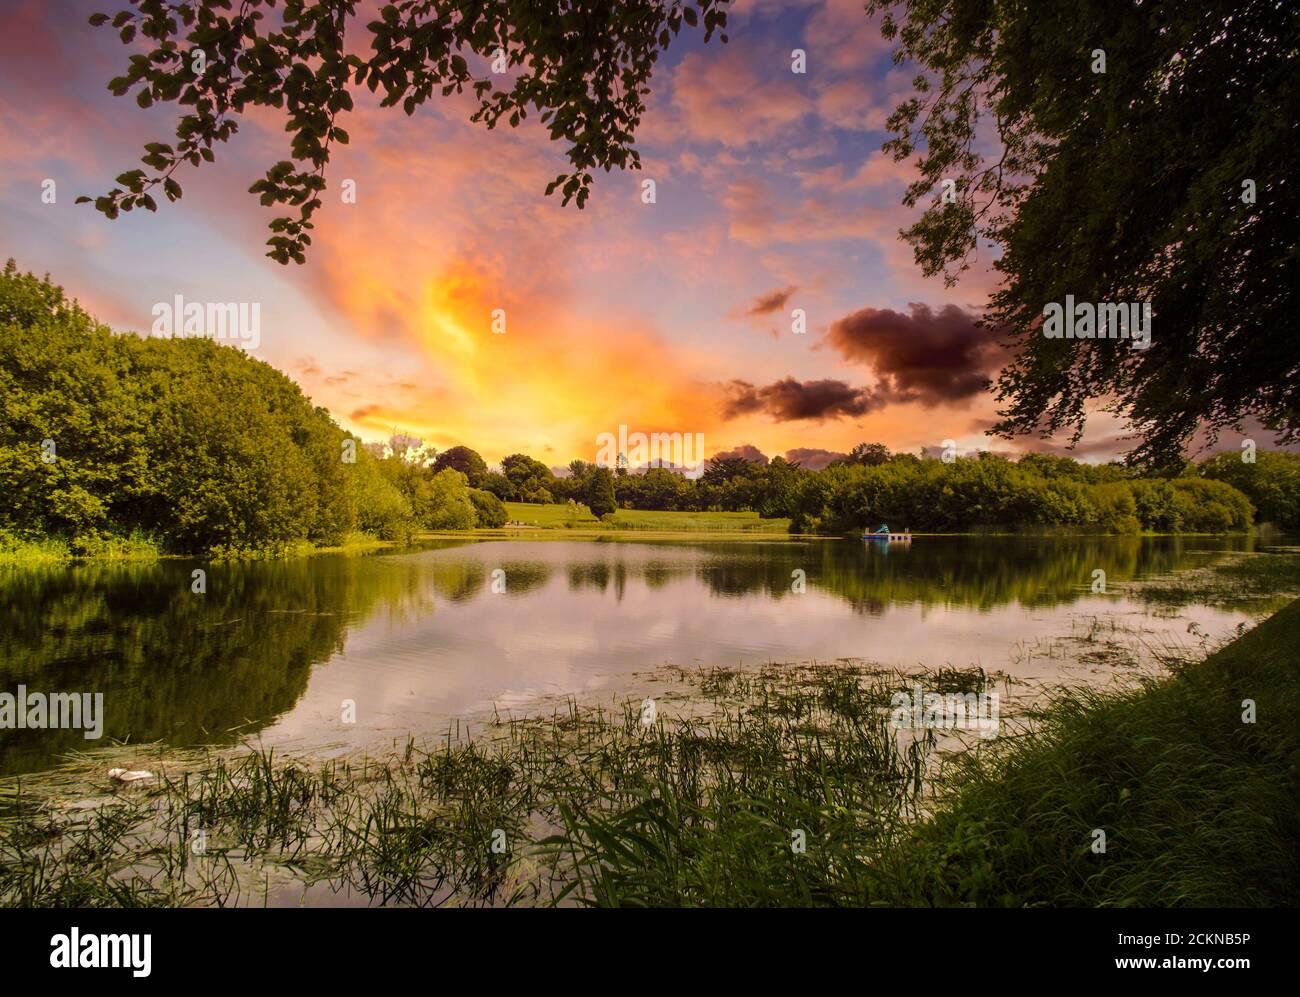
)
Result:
{"points": [[466, 461], [582, 66], [1167, 178], [530, 479], [719, 470], [868, 453], [1271, 481]]}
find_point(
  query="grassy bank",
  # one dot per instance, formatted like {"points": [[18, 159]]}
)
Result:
{"points": [[1198, 807], [784, 786], [18, 552], [579, 517]]}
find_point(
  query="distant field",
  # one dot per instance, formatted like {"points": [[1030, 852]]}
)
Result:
{"points": [[549, 515], [636, 519], [562, 516]]}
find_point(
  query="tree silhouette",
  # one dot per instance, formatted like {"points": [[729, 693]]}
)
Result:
{"points": [[1147, 154]]}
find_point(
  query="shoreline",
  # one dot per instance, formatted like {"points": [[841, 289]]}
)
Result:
{"points": [[47, 553]]}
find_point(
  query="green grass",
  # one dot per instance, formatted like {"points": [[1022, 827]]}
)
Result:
{"points": [[15, 550], [703, 806], [20, 552], [580, 517], [353, 543], [1198, 807], [550, 516], [726, 522]]}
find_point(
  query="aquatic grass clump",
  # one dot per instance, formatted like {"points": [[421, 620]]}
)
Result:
{"points": [[48, 863], [1240, 580], [474, 820], [772, 807]]}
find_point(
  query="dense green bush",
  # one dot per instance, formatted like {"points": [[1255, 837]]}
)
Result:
{"points": [[489, 511], [1211, 506], [1158, 507], [1271, 482], [445, 502], [382, 510]]}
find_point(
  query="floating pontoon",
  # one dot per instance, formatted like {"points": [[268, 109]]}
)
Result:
{"points": [[883, 534]]}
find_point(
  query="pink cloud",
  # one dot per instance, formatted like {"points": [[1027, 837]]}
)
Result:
{"points": [[732, 97]]}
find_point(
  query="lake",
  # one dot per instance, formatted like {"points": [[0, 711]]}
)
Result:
{"points": [[420, 636]]}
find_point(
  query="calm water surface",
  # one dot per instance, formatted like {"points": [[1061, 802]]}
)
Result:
{"points": [[416, 637]]}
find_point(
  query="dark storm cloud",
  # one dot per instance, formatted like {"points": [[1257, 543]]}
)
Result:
{"points": [[924, 356], [787, 399]]}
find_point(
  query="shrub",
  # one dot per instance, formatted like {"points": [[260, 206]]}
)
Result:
{"points": [[489, 511]]}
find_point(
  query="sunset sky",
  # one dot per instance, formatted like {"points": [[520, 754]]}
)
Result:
{"points": [[772, 194]]}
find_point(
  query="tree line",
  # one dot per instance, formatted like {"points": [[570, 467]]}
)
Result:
{"points": [[191, 447], [871, 485]]}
